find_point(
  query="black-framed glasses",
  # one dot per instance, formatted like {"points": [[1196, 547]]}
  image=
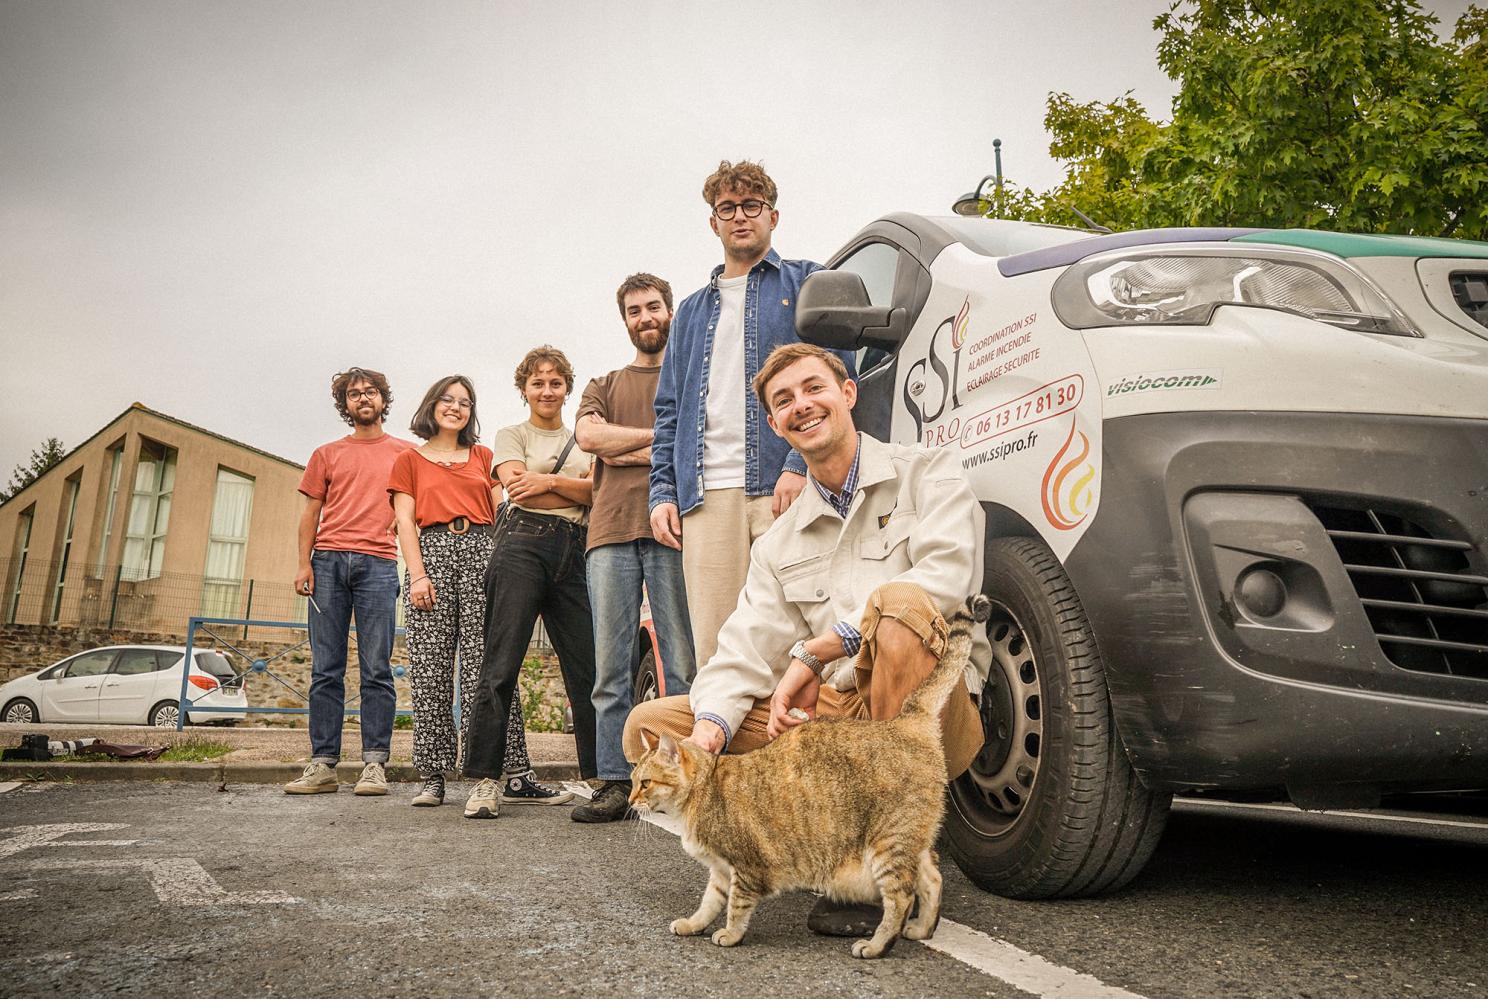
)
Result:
{"points": [[449, 400], [751, 209], [352, 395]]}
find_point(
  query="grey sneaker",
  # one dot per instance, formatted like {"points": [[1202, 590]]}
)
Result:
{"points": [[373, 780], [432, 794], [317, 779], [484, 801], [524, 789]]}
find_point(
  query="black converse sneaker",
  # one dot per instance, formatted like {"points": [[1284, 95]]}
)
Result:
{"points": [[524, 789], [432, 793]]}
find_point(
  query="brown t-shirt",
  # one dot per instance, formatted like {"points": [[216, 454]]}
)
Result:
{"points": [[351, 476], [625, 397], [443, 492]]}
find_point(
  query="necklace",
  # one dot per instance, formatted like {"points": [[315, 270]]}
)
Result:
{"points": [[427, 449]]}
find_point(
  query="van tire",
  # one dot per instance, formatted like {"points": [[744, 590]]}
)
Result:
{"points": [[1081, 823], [647, 684]]}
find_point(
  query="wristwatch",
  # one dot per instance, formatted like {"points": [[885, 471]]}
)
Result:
{"points": [[798, 651]]}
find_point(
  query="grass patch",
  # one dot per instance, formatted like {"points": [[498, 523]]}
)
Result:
{"points": [[195, 750]]}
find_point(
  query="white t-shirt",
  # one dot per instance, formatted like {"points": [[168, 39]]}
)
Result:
{"points": [[723, 433]]}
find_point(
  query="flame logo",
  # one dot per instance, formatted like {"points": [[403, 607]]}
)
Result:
{"points": [[1067, 502], [958, 325]]}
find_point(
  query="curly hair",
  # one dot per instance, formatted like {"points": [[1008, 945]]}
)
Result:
{"points": [[424, 424], [643, 282], [744, 176], [345, 379], [546, 354]]}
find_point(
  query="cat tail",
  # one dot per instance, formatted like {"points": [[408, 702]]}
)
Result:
{"points": [[930, 696]]}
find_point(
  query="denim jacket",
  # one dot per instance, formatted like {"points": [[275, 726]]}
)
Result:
{"points": [[682, 391]]}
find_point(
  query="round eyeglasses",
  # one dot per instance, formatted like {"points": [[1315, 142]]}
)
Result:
{"points": [[751, 209]]}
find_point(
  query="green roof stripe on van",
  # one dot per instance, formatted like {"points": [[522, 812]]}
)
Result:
{"points": [[1343, 244]]}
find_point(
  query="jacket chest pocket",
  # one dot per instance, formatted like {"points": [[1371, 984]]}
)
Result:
{"points": [[804, 581], [889, 541]]}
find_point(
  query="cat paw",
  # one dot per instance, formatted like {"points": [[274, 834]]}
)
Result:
{"points": [[727, 937], [685, 928], [918, 932], [865, 949]]}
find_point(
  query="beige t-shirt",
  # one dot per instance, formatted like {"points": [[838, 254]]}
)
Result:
{"points": [[538, 449]]}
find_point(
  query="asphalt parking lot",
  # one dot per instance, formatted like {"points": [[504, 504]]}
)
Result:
{"points": [[177, 889]]}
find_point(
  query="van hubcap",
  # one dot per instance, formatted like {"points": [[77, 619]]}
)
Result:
{"points": [[995, 790]]}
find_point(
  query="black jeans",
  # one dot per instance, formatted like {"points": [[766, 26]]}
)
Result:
{"points": [[537, 567]]}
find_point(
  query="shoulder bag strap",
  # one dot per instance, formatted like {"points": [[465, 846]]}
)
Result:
{"points": [[563, 455]]}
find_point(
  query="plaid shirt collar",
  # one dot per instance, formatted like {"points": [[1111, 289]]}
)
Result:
{"points": [[842, 502]]}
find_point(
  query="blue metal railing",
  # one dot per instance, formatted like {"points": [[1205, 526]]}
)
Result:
{"points": [[255, 665]]}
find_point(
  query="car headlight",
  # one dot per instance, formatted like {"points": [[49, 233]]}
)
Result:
{"points": [[1183, 285]]}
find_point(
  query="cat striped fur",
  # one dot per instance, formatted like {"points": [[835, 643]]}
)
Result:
{"points": [[847, 807]]}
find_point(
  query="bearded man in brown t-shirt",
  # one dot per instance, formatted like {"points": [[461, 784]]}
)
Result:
{"points": [[614, 424]]}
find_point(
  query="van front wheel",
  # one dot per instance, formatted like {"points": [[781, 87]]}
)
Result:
{"points": [[1050, 808]]}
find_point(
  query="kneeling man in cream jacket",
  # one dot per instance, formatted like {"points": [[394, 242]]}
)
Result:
{"points": [[843, 610]]}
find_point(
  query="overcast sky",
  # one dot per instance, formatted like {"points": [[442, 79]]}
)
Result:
{"points": [[210, 207]]}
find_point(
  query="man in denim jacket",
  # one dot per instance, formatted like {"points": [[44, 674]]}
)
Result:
{"points": [[719, 475]]}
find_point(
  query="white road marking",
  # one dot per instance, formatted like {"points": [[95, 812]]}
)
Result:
{"points": [[9, 785], [997, 958], [27, 837], [1018, 968], [175, 880], [1294, 810]]}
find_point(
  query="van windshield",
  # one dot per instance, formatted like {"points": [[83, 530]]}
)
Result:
{"points": [[1001, 238]]}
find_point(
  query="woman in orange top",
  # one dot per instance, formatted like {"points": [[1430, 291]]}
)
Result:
{"points": [[444, 497]]}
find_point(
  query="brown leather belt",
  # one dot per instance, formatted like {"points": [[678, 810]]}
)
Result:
{"points": [[460, 525]]}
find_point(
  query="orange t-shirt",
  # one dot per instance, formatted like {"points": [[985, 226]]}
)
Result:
{"points": [[350, 476], [443, 492]]}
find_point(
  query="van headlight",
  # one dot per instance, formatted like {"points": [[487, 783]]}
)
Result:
{"points": [[1183, 285]]}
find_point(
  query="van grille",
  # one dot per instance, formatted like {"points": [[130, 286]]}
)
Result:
{"points": [[1426, 601], [1471, 292]]}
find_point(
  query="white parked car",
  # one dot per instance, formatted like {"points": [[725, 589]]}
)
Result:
{"points": [[126, 685]]}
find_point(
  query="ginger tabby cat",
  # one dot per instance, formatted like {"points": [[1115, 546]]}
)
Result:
{"points": [[848, 807]]}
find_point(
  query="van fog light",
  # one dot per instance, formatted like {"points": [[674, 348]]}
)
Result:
{"points": [[1261, 593]]}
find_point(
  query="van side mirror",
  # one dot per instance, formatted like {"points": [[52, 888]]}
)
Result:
{"points": [[833, 310]]}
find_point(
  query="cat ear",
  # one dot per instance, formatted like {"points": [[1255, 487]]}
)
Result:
{"points": [[646, 743], [666, 749]]}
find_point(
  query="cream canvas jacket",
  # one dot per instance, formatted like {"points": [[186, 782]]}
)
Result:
{"points": [[913, 518]]}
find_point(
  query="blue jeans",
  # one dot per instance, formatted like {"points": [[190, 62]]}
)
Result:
{"points": [[616, 573], [347, 583]]}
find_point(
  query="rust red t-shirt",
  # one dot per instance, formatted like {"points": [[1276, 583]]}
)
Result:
{"points": [[350, 476], [443, 492]]}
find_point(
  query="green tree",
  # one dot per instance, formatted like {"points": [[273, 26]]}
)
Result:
{"points": [[1340, 114], [42, 458]]}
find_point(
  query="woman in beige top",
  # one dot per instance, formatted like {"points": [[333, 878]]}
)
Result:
{"points": [[537, 567]]}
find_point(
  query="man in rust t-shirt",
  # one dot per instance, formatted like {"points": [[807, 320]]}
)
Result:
{"points": [[614, 424], [349, 568]]}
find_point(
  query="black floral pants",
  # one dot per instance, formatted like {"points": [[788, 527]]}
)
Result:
{"points": [[452, 632]]}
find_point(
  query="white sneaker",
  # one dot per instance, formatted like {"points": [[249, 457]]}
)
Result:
{"points": [[317, 779], [483, 802], [373, 780]]}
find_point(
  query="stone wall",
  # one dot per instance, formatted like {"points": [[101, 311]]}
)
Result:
{"points": [[28, 648]]}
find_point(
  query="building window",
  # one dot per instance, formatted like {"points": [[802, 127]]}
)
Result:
{"points": [[232, 509], [149, 511], [69, 517], [116, 466], [22, 549]]}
